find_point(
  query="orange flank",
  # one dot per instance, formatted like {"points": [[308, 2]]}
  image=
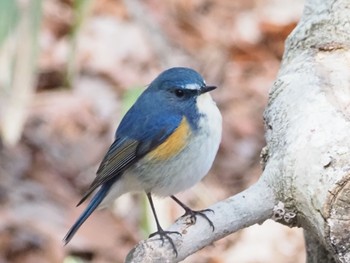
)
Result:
{"points": [[174, 144]]}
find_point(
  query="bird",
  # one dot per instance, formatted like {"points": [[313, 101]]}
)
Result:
{"points": [[165, 143]]}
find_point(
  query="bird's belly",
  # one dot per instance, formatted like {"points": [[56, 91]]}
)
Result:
{"points": [[164, 178]]}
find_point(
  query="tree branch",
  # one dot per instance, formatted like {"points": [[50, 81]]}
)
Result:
{"points": [[254, 205]]}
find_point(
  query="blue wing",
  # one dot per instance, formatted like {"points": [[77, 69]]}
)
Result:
{"points": [[137, 135]]}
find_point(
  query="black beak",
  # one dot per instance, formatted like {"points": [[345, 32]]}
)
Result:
{"points": [[207, 89]]}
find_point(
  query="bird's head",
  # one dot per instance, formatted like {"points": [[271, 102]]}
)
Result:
{"points": [[179, 88]]}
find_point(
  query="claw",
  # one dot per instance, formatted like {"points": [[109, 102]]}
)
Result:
{"points": [[165, 235], [193, 215]]}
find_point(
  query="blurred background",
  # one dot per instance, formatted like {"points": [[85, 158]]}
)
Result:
{"points": [[68, 72]]}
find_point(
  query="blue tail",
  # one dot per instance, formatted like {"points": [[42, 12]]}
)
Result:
{"points": [[94, 203]]}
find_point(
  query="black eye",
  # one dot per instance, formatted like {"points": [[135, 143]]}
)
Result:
{"points": [[179, 93]]}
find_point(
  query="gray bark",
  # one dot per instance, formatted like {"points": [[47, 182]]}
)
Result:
{"points": [[316, 252], [307, 123]]}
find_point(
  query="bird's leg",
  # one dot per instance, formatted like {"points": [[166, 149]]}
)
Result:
{"points": [[193, 214], [162, 233]]}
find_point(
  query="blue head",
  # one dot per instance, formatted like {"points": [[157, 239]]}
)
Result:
{"points": [[179, 84], [177, 90]]}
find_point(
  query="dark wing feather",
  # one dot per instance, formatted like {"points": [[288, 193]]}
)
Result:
{"points": [[121, 155]]}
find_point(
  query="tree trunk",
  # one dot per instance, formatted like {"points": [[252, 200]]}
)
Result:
{"points": [[316, 252], [307, 126], [306, 178]]}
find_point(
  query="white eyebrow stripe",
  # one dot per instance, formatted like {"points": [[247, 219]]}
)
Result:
{"points": [[192, 86]]}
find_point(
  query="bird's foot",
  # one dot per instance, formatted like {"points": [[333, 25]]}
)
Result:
{"points": [[193, 216], [165, 235]]}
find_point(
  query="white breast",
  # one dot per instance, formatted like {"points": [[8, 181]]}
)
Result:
{"points": [[212, 123], [208, 108], [194, 162]]}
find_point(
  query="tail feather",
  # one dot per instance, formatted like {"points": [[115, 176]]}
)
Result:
{"points": [[94, 203]]}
